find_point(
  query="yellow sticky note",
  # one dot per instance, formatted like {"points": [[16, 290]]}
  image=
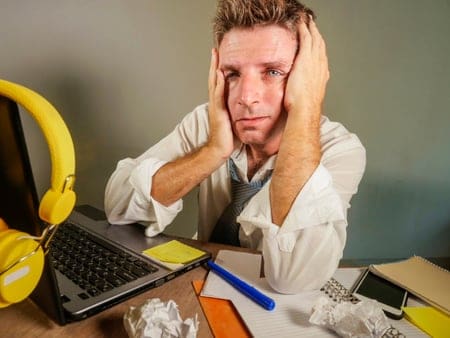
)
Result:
{"points": [[174, 252], [430, 320]]}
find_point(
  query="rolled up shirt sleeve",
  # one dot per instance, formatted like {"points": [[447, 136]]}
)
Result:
{"points": [[132, 202], [127, 193], [309, 243]]}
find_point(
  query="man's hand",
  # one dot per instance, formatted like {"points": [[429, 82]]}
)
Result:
{"points": [[305, 89], [221, 138]]}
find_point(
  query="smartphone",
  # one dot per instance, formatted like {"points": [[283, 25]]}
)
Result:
{"points": [[391, 297]]}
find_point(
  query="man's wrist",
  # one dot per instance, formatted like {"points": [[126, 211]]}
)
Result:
{"points": [[217, 151], [305, 110], [214, 153]]}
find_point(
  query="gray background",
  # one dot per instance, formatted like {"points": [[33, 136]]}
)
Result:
{"points": [[123, 73]]}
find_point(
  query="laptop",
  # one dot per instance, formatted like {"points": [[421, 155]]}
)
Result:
{"points": [[91, 265]]}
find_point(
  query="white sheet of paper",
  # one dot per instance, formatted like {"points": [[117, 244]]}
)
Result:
{"points": [[248, 270], [290, 318]]}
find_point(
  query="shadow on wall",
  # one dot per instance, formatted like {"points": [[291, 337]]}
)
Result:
{"points": [[396, 218], [86, 105], [75, 96]]}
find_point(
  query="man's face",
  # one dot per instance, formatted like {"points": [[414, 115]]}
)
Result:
{"points": [[256, 64]]}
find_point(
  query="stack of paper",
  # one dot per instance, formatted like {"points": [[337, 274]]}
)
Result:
{"points": [[173, 254]]}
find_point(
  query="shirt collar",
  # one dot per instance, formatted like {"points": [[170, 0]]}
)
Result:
{"points": [[239, 157]]}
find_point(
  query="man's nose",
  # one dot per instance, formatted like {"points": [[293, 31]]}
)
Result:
{"points": [[249, 90]]}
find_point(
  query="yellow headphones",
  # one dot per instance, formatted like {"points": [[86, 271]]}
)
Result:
{"points": [[21, 257]]}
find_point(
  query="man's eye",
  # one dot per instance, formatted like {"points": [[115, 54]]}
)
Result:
{"points": [[273, 72], [231, 75]]}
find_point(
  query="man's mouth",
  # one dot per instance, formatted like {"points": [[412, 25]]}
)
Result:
{"points": [[251, 121]]}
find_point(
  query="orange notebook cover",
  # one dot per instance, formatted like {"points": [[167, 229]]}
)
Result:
{"points": [[223, 318]]}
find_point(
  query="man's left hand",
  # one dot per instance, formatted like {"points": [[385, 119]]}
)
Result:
{"points": [[306, 86]]}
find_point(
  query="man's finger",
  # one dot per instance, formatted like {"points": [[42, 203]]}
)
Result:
{"points": [[212, 78], [304, 37], [316, 38], [219, 90]]}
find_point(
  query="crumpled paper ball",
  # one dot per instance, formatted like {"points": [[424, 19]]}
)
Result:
{"points": [[363, 319], [156, 319]]}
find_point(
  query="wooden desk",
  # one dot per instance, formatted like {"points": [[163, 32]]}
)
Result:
{"points": [[27, 320]]}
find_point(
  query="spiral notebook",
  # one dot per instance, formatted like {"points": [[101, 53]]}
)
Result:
{"points": [[291, 315], [420, 277]]}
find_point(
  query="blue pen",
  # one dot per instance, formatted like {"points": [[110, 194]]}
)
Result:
{"points": [[246, 289]]}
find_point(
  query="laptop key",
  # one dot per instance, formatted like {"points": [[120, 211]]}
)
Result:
{"points": [[93, 292], [146, 266], [125, 275], [114, 280], [139, 272], [128, 267]]}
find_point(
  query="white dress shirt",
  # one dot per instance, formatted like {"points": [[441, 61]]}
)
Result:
{"points": [[300, 255]]}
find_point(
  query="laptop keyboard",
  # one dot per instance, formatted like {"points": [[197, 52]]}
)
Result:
{"points": [[94, 265]]}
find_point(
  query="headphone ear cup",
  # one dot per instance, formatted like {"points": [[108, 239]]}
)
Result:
{"points": [[55, 206], [18, 282]]}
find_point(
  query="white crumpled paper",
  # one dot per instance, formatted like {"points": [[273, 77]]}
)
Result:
{"points": [[156, 319], [364, 319]]}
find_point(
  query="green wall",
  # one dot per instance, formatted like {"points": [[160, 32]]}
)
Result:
{"points": [[390, 84], [123, 73]]}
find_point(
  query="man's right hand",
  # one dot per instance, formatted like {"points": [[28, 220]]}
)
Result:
{"points": [[221, 138]]}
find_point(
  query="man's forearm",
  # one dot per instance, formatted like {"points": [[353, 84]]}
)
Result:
{"points": [[298, 157], [300, 152], [177, 178]]}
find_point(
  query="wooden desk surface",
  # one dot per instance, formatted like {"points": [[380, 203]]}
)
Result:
{"points": [[25, 319]]}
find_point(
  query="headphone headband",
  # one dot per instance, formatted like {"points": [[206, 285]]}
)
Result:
{"points": [[59, 200]]}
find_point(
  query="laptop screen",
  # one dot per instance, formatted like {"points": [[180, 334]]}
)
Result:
{"points": [[18, 196]]}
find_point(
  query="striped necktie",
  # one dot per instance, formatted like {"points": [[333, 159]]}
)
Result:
{"points": [[226, 230]]}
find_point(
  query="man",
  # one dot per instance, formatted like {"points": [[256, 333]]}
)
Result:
{"points": [[262, 133]]}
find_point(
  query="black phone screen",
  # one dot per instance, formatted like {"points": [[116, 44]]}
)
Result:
{"points": [[382, 290]]}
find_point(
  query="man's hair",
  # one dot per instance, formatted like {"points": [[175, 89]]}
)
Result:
{"points": [[250, 13]]}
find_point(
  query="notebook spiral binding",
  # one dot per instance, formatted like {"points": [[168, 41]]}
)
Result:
{"points": [[339, 293], [431, 263]]}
